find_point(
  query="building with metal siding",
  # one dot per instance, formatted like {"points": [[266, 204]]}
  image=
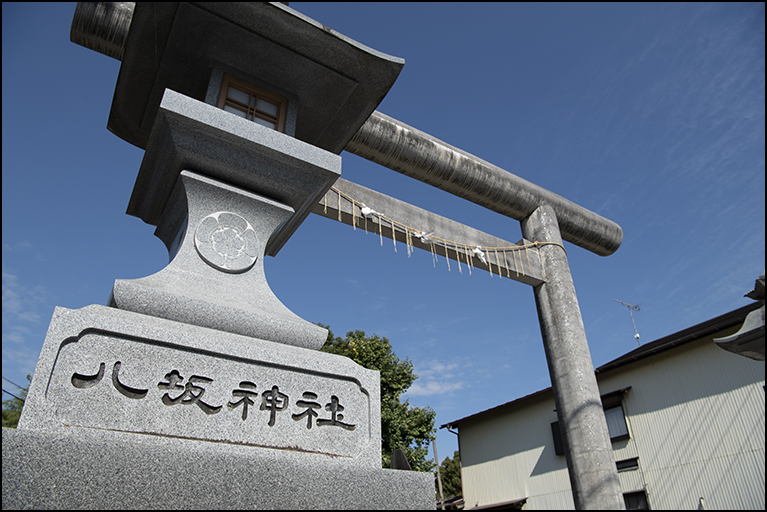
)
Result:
{"points": [[694, 431]]}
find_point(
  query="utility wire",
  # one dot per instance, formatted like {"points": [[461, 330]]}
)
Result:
{"points": [[14, 396], [14, 384], [9, 393]]}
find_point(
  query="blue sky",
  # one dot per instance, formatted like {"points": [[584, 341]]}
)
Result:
{"points": [[651, 115]]}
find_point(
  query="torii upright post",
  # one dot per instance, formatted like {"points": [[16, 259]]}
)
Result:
{"points": [[576, 395]]}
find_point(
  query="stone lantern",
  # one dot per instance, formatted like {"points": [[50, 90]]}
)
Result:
{"points": [[196, 387]]}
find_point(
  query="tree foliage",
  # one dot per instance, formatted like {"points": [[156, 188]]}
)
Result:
{"points": [[12, 407], [402, 426], [450, 473]]}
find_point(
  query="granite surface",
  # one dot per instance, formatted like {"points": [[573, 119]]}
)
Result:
{"points": [[59, 471], [127, 411], [192, 135], [112, 374], [216, 277]]}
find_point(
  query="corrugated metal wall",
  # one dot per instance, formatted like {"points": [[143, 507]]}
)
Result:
{"points": [[506, 462], [696, 419]]}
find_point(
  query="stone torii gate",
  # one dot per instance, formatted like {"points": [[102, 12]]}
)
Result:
{"points": [[546, 219]]}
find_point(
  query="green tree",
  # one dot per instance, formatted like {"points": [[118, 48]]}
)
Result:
{"points": [[12, 407], [402, 426], [450, 472]]}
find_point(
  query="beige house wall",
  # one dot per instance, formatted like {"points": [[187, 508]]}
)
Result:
{"points": [[695, 414]]}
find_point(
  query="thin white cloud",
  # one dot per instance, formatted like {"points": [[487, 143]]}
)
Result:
{"points": [[435, 378], [433, 388], [17, 246], [20, 358], [14, 337], [434, 368], [21, 303], [11, 299]]}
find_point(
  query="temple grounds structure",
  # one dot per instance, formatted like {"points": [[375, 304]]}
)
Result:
{"points": [[196, 387]]}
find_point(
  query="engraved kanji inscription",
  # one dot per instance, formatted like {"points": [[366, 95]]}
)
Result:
{"points": [[273, 401], [246, 391], [335, 408], [88, 381], [135, 394], [191, 394], [309, 412]]}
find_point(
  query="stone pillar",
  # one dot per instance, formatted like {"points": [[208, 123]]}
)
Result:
{"points": [[590, 460]]}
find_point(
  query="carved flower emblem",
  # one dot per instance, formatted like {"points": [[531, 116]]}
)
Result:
{"points": [[227, 242]]}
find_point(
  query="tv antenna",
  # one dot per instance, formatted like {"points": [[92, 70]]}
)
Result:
{"points": [[631, 308]]}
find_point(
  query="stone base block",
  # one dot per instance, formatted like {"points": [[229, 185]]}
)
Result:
{"points": [[113, 374], [46, 471]]}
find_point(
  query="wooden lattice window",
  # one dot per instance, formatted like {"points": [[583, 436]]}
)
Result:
{"points": [[253, 103]]}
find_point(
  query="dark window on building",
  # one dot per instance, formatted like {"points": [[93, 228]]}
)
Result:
{"points": [[636, 500], [627, 464], [616, 418], [253, 103], [616, 421], [559, 447]]}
